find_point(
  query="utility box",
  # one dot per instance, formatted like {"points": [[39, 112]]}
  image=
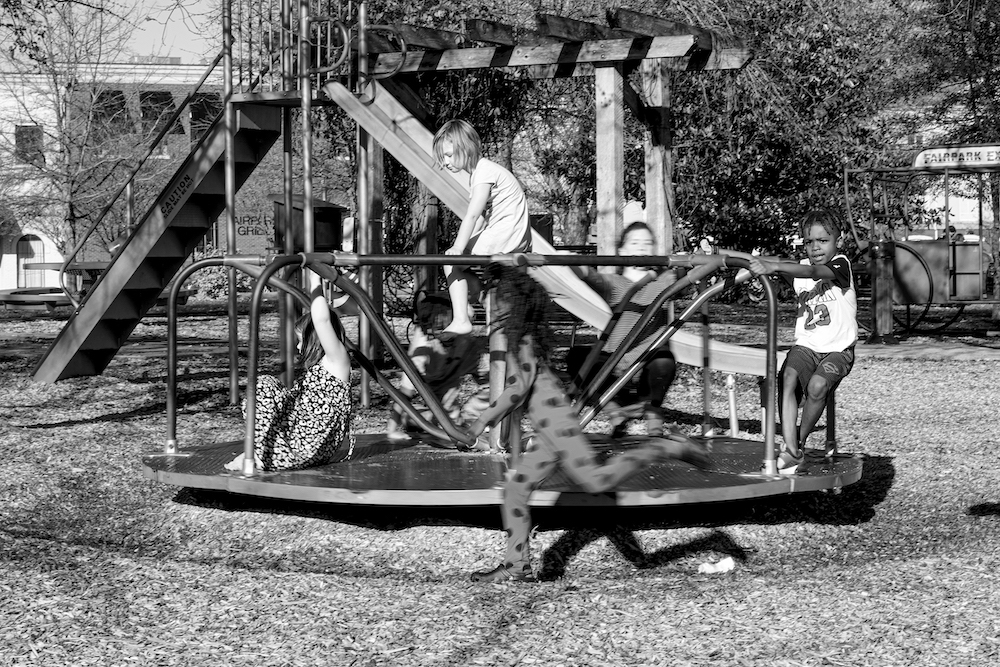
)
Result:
{"points": [[328, 219], [911, 278]]}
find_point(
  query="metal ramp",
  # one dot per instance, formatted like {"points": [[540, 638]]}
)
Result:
{"points": [[167, 235]]}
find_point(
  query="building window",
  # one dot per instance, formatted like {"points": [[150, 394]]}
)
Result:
{"points": [[30, 249], [205, 107], [155, 107], [28, 144], [111, 115]]}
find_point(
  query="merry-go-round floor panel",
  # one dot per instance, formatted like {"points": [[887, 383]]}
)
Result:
{"points": [[426, 472]]}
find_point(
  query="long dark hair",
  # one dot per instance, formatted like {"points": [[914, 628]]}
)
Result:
{"points": [[521, 307], [312, 349]]}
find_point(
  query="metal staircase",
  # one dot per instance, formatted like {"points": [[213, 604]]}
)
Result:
{"points": [[167, 235]]}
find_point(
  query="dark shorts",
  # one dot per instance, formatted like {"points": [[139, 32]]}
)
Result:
{"points": [[832, 366]]}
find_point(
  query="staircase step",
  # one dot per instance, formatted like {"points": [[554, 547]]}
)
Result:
{"points": [[167, 235]]}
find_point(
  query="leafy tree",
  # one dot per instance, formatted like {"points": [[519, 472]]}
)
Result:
{"points": [[962, 83]]}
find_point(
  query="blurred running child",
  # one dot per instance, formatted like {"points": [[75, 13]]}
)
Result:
{"points": [[558, 440], [495, 222], [826, 329]]}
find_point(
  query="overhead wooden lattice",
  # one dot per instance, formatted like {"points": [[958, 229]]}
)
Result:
{"points": [[558, 46]]}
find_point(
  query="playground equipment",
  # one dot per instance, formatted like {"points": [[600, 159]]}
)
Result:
{"points": [[918, 260], [427, 471], [279, 55]]}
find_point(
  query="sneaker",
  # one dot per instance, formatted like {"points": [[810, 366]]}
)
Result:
{"points": [[788, 464], [503, 573]]}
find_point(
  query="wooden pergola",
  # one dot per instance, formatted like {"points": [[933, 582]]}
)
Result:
{"points": [[560, 47]]}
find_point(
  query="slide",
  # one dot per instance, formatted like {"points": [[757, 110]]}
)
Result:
{"points": [[410, 142], [724, 357]]}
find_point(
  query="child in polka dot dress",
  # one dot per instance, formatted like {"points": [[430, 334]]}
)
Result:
{"points": [[558, 440]]}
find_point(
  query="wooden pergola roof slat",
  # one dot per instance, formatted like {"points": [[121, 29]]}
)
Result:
{"points": [[596, 51], [429, 38], [572, 30], [647, 24], [489, 32]]}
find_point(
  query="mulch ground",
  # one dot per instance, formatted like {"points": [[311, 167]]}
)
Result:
{"points": [[102, 567]]}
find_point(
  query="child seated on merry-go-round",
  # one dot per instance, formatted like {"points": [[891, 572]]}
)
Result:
{"points": [[443, 365]]}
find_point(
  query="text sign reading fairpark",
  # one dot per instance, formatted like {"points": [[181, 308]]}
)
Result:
{"points": [[952, 157]]}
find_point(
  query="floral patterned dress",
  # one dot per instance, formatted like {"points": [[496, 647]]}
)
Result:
{"points": [[303, 426]]}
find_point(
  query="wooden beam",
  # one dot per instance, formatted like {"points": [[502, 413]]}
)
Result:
{"points": [[724, 58], [610, 158], [571, 30], [377, 43], [429, 38], [712, 50], [719, 59], [647, 24], [490, 32], [599, 51], [659, 158]]}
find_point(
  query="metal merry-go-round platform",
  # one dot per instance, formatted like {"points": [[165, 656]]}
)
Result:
{"points": [[425, 472]]}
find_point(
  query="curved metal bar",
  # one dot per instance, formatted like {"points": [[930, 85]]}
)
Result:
{"points": [[769, 460], [689, 313], [628, 343], [170, 446], [403, 48], [247, 265], [345, 36], [142, 162], [694, 276], [909, 328], [252, 356], [448, 430], [363, 75]]}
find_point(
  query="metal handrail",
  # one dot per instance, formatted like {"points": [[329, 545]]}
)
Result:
{"points": [[174, 117]]}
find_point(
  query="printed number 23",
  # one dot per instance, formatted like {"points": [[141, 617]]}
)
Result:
{"points": [[817, 317]]}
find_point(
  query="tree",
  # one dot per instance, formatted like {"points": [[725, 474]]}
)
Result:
{"points": [[88, 121], [962, 82]]}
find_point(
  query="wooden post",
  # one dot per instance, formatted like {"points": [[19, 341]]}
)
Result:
{"points": [[659, 154], [425, 277], [610, 149], [882, 255], [994, 240]]}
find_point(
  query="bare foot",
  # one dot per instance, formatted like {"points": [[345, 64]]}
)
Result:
{"points": [[457, 328], [398, 435]]}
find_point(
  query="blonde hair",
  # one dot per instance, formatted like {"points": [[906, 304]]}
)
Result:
{"points": [[467, 147]]}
